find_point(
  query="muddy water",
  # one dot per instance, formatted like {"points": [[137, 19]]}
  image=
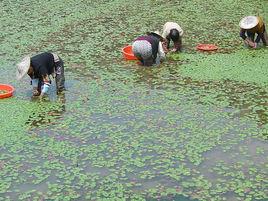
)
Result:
{"points": [[187, 114], [153, 109]]}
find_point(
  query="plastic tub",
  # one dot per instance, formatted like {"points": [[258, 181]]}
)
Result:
{"points": [[206, 47], [8, 91], [128, 54]]}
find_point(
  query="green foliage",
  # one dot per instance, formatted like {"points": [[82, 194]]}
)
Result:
{"points": [[192, 128]]}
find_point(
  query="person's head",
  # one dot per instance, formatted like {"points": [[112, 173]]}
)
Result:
{"points": [[142, 49], [174, 35], [23, 67]]}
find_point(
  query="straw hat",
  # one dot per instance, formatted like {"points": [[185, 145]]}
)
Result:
{"points": [[248, 22], [23, 67]]}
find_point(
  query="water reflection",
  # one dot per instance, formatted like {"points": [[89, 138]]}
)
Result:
{"points": [[47, 114], [249, 99], [172, 198]]}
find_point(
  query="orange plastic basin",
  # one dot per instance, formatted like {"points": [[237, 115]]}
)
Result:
{"points": [[9, 90], [128, 54], [206, 47]]}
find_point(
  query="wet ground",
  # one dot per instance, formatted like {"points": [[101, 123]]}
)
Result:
{"points": [[194, 128]]}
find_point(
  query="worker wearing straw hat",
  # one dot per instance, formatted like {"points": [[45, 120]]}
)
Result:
{"points": [[39, 68], [150, 49], [251, 26], [173, 31]]}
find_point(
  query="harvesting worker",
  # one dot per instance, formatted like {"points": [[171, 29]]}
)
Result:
{"points": [[40, 67], [252, 26], [173, 31], [150, 49]]}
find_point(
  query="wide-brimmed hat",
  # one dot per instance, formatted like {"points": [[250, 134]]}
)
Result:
{"points": [[23, 67], [156, 33], [248, 22]]}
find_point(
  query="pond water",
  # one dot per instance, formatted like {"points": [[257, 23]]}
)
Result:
{"points": [[194, 128]]}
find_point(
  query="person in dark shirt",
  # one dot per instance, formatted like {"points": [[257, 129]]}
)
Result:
{"points": [[251, 26], [149, 49], [39, 68]]}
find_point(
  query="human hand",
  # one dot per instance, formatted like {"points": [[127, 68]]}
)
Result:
{"points": [[255, 45], [45, 88], [250, 43], [165, 46], [35, 92], [166, 51]]}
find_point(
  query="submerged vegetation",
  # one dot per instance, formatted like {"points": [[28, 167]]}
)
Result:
{"points": [[194, 128]]}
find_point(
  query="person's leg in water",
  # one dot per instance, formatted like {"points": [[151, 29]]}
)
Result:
{"points": [[39, 88], [264, 37], [60, 79]]}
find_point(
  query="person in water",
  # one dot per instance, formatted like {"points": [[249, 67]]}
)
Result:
{"points": [[150, 48], [173, 31], [40, 67], [252, 31]]}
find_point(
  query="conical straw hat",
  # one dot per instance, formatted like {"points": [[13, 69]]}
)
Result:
{"points": [[248, 22], [23, 67]]}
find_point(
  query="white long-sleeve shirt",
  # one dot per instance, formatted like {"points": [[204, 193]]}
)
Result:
{"points": [[160, 54], [171, 25]]}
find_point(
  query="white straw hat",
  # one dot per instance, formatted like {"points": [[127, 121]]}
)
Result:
{"points": [[248, 22], [23, 67]]}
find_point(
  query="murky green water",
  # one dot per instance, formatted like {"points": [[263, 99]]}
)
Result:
{"points": [[194, 128]]}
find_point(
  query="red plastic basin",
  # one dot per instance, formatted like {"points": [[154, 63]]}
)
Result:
{"points": [[206, 47], [9, 90], [128, 54]]}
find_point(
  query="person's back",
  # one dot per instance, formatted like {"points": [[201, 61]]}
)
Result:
{"points": [[171, 25], [43, 64], [173, 31], [148, 49]]}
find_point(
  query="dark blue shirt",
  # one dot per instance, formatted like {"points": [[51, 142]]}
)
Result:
{"points": [[43, 64]]}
